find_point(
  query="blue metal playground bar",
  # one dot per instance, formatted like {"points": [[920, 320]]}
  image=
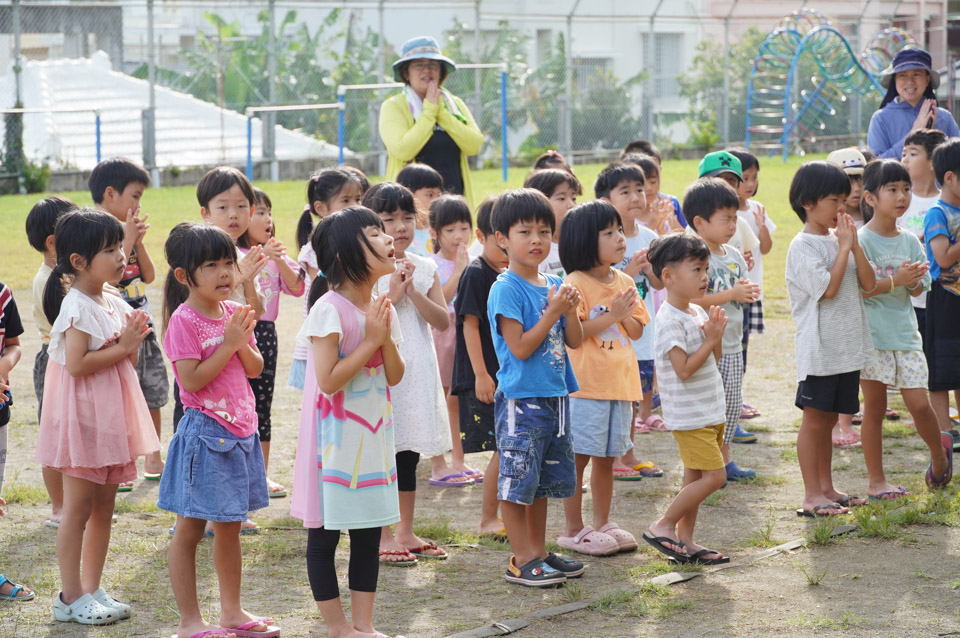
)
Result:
{"points": [[504, 148], [250, 111], [96, 118]]}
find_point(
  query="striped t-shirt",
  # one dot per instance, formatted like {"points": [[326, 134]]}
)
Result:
{"points": [[697, 402]]}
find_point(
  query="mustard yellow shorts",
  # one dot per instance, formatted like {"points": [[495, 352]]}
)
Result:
{"points": [[700, 448]]}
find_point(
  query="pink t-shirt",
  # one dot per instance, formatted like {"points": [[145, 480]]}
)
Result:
{"points": [[228, 398], [271, 285]]}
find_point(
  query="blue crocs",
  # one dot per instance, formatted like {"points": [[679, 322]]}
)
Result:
{"points": [[736, 473], [742, 436]]}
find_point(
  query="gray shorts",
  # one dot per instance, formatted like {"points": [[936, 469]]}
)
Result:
{"points": [[39, 372], [152, 372]]}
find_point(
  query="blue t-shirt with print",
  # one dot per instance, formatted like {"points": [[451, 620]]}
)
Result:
{"points": [[546, 372], [941, 219]]}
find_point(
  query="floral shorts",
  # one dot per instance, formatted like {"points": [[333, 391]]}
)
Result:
{"points": [[898, 369]]}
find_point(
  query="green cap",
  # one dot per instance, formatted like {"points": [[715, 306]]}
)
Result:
{"points": [[718, 162]]}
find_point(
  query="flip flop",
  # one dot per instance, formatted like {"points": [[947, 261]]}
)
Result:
{"points": [[275, 490], [648, 470], [815, 511], [125, 488], [446, 482], [640, 427], [51, 523], [397, 563], [476, 475], [206, 634], [947, 441], [626, 474], [891, 415], [419, 551], [244, 629], [151, 476], [857, 418], [497, 536], [890, 495], [847, 501], [657, 542], [654, 423], [845, 442], [696, 557]]}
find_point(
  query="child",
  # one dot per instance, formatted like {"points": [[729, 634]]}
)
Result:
{"points": [[532, 316], [10, 330], [451, 225], [94, 443], [711, 209], [601, 411], [896, 255], [426, 184], [562, 189], [328, 190], [280, 274], [419, 405], [687, 345], [214, 463], [755, 215], [940, 235], [117, 185], [41, 221], [622, 185], [664, 204], [659, 213], [475, 363], [354, 338], [551, 159], [917, 158], [833, 341]]}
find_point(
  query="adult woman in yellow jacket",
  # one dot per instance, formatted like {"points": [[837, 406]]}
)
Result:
{"points": [[426, 123]]}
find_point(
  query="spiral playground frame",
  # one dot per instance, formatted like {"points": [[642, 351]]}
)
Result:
{"points": [[786, 102]]}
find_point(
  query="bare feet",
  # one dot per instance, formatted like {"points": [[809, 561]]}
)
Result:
{"points": [[414, 542], [665, 531], [492, 527], [393, 552], [263, 624], [153, 464], [184, 631], [846, 500]]}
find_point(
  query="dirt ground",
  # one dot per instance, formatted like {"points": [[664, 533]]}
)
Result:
{"points": [[898, 579]]}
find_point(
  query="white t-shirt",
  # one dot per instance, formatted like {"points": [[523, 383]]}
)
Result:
{"points": [[912, 220], [552, 263], [699, 401], [755, 274]]}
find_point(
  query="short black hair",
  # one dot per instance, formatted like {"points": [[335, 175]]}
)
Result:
{"points": [[485, 215], [706, 196], [43, 217], [613, 175], [928, 138], [416, 176], [546, 181], [814, 181], [446, 210], [189, 245], [675, 248], [646, 163], [580, 233], [323, 186], [118, 172], [747, 159], [261, 198], [387, 197], [521, 205], [361, 177], [875, 175], [220, 180], [946, 159], [868, 155], [339, 243], [551, 159], [642, 147]]}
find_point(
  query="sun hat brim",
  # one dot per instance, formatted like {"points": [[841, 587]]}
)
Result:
{"points": [[423, 53], [890, 72]]}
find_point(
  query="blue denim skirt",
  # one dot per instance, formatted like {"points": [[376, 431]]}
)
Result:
{"points": [[212, 474]]}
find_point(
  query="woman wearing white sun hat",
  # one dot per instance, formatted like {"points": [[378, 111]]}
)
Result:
{"points": [[909, 104], [426, 123]]}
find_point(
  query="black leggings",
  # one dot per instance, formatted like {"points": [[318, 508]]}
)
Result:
{"points": [[262, 386], [407, 471], [364, 561]]}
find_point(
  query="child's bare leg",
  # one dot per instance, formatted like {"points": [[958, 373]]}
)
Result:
{"points": [[489, 506], [361, 610], [515, 522], [814, 429], [725, 453], [844, 426], [439, 469], [153, 464], [941, 406], [927, 426], [697, 485], [457, 460], [708, 482], [229, 565], [573, 506], [96, 537], [601, 482], [182, 563], [537, 527], [643, 410], [77, 505], [53, 481], [336, 621], [265, 450], [874, 406]]}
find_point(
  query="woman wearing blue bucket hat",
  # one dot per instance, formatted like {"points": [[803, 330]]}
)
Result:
{"points": [[426, 123], [909, 104]]}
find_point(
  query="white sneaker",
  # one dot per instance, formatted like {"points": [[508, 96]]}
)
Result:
{"points": [[104, 599], [84, 610]]}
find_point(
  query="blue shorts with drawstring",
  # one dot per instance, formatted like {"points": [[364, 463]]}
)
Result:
{"points": [[536, 449]]}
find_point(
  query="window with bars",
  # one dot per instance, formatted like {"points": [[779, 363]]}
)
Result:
{"points": [[668, 63], [586, 68]]}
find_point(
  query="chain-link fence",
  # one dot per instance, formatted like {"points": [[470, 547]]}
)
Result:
{"points": [[169, 81]]}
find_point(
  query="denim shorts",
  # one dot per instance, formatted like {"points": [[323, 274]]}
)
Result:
{"points": [[212, 474], [646, 376], [601, 427], [536, 453]]}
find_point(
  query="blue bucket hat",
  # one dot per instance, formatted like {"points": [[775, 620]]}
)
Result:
{"points": [[907, 59], [421, 48]]}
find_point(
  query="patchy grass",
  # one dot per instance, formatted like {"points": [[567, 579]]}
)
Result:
{"points": [[648, 600], [845, 622], [17, 493], [763, 536], [813, 577], [822, 530]]}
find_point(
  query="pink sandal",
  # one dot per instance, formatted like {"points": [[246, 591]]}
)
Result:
{"points": [[590, 542], [654, 423], [640, 427], [245, 630], [625, 540]]}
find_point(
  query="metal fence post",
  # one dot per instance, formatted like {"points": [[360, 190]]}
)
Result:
{"points": [[269, 120], [250, 145], [150, 120], [341, 123], [503, 123], [96, 116]]}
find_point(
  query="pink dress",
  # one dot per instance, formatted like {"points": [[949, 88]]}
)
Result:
{"points": [[101, 419], [445, 341]]}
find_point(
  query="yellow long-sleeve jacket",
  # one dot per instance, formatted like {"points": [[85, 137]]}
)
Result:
{"points": [[404, 137]]}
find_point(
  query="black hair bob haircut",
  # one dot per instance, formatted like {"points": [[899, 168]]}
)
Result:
{"points": [[261, 198], [522, 205], [446, 210], [551, 159], [814, 181], [339, 242], [875, 175], [84, 232], [116, 172], [641, 147], [221, 179], [416, 176], [647, 164], [747, 159], [189, 245], [546, 181], [43, 217], [323, 186], [674, 249], [613, 175], [387, 197], [580, 234], [946, 159], [485, 216], [707, 195]]}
